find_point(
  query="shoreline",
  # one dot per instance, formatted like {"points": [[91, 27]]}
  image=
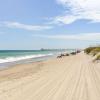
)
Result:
{"points": [[22, 68], [37, 59], [54, 79], [32, 64], [13, 57], [22, 62]]}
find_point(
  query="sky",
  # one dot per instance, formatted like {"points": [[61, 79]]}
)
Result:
{"points": [[35, 24]]}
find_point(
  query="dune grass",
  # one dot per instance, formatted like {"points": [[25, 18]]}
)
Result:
{"points": [[89, 49], [94, 51], [98, 57]]}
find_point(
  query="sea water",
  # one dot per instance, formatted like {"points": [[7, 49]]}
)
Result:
{"points": [[10, 57]]}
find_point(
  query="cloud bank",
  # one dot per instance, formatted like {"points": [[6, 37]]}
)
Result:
{"points": [[24, 26], [85, 36], [79, 9]]}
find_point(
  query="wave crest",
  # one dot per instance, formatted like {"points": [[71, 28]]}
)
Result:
{"points": [[13, 59]]}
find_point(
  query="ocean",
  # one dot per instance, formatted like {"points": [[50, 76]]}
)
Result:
{"points": [[11, 57]]}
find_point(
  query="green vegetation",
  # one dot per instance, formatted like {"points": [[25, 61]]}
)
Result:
{"points": [[92, 50], [95, 51], [89, 49], [98, 57]]}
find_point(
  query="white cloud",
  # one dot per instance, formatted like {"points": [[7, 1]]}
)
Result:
{"points": [[79, 9], [64, 19], [85, 36], [24, 26]]}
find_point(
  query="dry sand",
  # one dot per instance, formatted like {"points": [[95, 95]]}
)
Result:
{"points": [[69, 78]]}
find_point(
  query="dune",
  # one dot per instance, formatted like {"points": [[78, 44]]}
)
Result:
{"points": [[74, 77]]}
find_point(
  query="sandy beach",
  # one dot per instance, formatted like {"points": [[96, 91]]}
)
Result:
{"points": [[69, 78]]}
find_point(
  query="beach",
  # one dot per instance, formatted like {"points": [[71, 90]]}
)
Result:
{"points": [[73, 77]]}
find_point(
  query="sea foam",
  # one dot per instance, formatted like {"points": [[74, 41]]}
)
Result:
{"points": [[13, 59]]}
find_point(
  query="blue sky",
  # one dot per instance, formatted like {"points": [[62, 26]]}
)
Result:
{"points": [[35, 24]]}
